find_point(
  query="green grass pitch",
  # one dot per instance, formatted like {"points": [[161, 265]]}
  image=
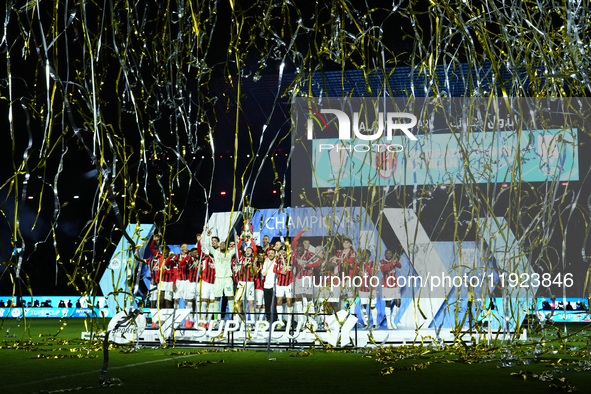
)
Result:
{"points": [[44, 358]]}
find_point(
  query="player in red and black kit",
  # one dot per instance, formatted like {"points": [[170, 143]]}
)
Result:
{"points": [[390, 289], [366, 268], [344, 263], [245, 272], [165, 262], [207, 280], [304, 263], [167, 275], [259, 289], [154, 265], [181, 288], [284, 289], [234, 263], [322, 292], [193, 300]]}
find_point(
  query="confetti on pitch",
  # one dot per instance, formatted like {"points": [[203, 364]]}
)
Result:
{"points": [[116, 115]]}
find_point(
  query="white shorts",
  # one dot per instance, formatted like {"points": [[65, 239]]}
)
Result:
{"points": [[249, 290], [335, 294], [316, 291], [347, 292], [304, 287], [284, 291], [326, 294], [223, 287], [190, 290], [182, 289], [166, 287], [390, 293], [259, 297], [194, 291], [364, 297], [207, 292]]}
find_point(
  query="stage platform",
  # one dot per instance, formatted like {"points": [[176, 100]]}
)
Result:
{"points": [[230, 334]]}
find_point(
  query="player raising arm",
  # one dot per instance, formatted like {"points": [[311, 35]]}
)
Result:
{"points": [[390, 289], [222, 260], [245, 274]]}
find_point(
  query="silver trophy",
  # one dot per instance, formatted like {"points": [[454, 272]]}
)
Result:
{"points": [[247, 230]]}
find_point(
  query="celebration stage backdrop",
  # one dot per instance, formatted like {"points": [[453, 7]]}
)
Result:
{"points": [[116, 114]]}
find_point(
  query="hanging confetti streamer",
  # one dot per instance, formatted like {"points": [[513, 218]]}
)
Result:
{"points": [[152, 113]]}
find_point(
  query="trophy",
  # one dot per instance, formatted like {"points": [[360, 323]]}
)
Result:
{"points": [[247, 229]]}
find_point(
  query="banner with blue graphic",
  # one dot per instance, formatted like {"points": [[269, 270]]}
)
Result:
{"points": [[448, 159], [54, 307]]}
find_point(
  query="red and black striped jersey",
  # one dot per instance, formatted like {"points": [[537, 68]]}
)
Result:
{"points": [[343, 262], [154, 249], [154, 270], [348, 260], [295, 256], [183, 267], [168, 270], [245, 269], [242, 268], [207, 269], [283, 279], [195, 269], [327, 270], [163, 269], [259, 281], [388, 269], [365, 271], [313, 262], [240, 246], [302, 264]]}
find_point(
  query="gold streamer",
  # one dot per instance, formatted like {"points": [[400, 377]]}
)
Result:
{"points": [[190, 364], [135, 92], [303, 353]]}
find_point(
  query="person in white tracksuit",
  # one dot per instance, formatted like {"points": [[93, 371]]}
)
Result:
{"points": [[222, 260]]}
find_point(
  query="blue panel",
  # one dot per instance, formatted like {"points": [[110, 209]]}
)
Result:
{"points": [[113, 283], [438, 160]]}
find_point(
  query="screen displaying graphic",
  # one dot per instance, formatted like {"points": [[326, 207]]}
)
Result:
{"points": [[559, 310], [53, 307], [388, 141], [446, 159], [457, 188]]}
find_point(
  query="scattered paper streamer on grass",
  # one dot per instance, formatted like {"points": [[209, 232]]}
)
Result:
{"points": [[556, 383], [193, 365], [303, 353], [414, 367]]}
